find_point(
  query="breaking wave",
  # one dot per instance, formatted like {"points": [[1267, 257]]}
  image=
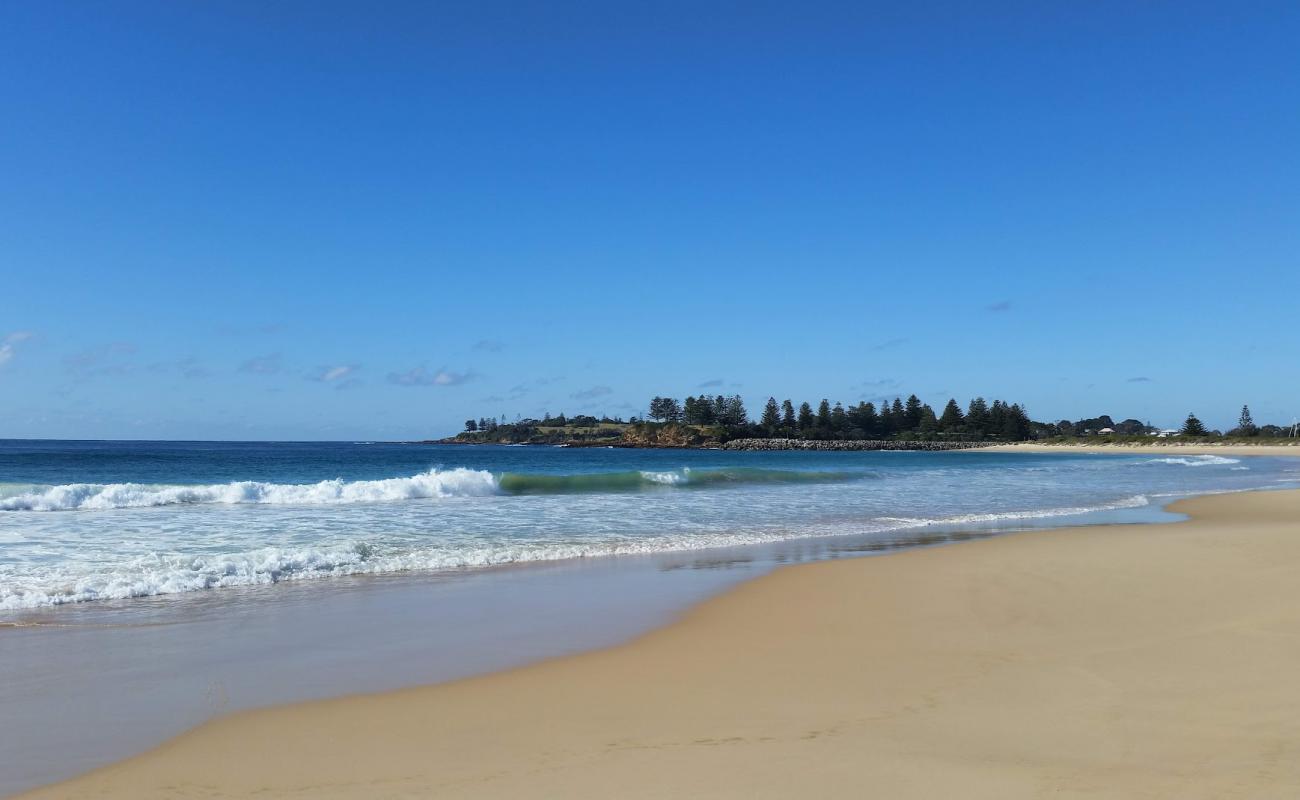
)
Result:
{"points": [[101, 496], [173, 573], [640, 480], [435, 483], [1194, 461]]}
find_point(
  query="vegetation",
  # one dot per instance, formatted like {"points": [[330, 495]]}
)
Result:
{"points": [[711, 420]]}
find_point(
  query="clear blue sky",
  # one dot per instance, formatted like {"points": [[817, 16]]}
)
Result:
{"points": [[350, 220]]}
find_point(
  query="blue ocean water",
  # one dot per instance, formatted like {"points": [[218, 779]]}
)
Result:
{"points": [[87, 521]]}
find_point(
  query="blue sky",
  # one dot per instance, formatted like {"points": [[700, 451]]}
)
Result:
{"points": [[323, 220]]}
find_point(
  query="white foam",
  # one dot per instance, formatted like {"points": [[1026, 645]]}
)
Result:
{"points": [[1136, 501], [667, 478], [161, 574], [1194, 461], [99, 496]]}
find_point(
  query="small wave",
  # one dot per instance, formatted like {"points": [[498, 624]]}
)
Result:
{"points": [[1194, 461], [1136, 501], [174, 573], [641, 480], [101, 496]]}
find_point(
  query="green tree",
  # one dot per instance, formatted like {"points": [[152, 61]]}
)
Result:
{"points": [[928, 423], [1246, 423], [824, 413], [864, 418], [977, 416], [771, 419], [887, 424], [471, 425], [787, 415], [1015, 423], [806, 420], [952, 418], [1193, 427], [839, 420], [912, 412]]}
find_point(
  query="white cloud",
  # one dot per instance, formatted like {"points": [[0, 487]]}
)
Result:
{"points": [[420, 376], [9, 345], [331, 374]]}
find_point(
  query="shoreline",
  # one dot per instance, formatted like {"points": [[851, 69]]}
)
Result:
{"points": [[995, 669], [1119, 448]]}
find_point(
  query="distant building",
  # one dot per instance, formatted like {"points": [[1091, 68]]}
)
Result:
{"points": [[1105, 431]]}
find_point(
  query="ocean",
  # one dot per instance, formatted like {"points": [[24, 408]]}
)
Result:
{"points": [[148, 586], [93, 521]]}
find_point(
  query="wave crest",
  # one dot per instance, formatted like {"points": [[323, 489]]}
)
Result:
{"points": [[1194, 461], [102, 496]]}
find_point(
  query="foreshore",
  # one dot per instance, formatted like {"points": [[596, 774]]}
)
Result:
{"points": [[1113, 661], [1170, 448]]}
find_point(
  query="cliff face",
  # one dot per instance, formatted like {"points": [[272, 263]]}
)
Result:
{"points": [[670, 435]]}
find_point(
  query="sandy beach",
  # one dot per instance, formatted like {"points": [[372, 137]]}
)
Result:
{"points": [[1120, 661]]}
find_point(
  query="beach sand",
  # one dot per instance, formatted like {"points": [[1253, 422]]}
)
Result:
{"points": [[1122, 661]]}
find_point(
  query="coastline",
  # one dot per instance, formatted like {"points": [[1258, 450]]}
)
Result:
{"points": [[1099, 661], [1162, 447]]}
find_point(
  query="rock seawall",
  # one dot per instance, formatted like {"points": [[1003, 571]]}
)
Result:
{"points": [[847, 444]]}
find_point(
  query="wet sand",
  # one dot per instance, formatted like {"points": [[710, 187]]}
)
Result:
{"points": [[1111, 661]]}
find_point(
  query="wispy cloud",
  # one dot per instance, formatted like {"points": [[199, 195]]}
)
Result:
{"points": [[888, 344], [272, 364], [592, 393], [333, 374], [489, 345], [710, 383], [9, 345], [1140, 379], [999, 306], [422, 376]]}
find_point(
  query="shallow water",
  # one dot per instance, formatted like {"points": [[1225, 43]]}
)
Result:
{"points": [[92, 521], [93, 680]]}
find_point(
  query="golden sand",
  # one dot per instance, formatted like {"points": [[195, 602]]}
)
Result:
{"points": [[1104, 662]]}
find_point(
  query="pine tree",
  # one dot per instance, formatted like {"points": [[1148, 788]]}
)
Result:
{"points": [[997, 420], [929, 423], [806, 421], [787, 415], [1015, 424], [771, 419], [839, 420], [824, 413], [733, 411], [864, 419], [912, 412], [977, 416], [887, 423], [952, 418], [1193, 427], [1246, 424]]}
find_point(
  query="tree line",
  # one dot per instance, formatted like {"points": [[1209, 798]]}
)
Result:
{"points": [[900, 418]]}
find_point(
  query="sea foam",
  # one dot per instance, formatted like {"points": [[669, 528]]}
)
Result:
{"points": [[101, 496], [1194, 461]]}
